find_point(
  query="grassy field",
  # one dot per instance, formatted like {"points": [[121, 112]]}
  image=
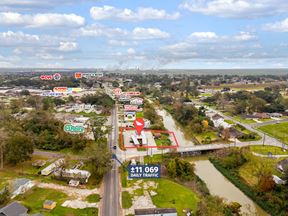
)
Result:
{"points": [[93, 198], [242, 120], [34, 199], [265, 149], [154, 159], [237, 87], [250, 170], [169, 193], [173, 195], [126, 200], [278, 131], [201, 137], [229, 121], [163, 140]]}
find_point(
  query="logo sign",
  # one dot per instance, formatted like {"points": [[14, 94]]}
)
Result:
{"points": [[139, 125], [80, 75], [56, 77], [144, 171], [66, 90], [60, 89], [73, 129], [132, 93], [136, 101], [131, 108], [117, 91], [51, 94]]}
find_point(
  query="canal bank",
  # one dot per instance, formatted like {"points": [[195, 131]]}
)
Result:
{"points": [[217, 184], [220, 186]]}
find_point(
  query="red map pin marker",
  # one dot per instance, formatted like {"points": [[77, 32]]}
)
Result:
{"points": [[139, 125]]}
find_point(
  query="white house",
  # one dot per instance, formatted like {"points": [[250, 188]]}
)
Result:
{"points": [[52, 167], [20, 186], [219, 121]]}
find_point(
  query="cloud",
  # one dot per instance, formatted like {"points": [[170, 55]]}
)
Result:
{"points": [[11, 38], [29, 5], [138, 33], [131, 51], [41, 20], [281, 26], [209, 45], [114, 42], [68, 46], [237, 8], [245, 36], [110, 12]]}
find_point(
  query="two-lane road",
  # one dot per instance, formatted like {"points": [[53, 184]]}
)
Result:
{"points": [[110, 202]]}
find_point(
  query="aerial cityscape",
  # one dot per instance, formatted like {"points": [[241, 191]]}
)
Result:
{"points": [[144, 108]]}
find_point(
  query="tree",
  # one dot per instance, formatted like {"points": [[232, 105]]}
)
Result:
{"points": [[115, 84], [235, 208], [98, 160], [226, 134], [4, 196], [3, 139], [205, 124], [266, 183], [25, 92], [18, 149]]}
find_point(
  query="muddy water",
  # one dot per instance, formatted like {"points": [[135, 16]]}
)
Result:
{"points": [[216, 182], [170, 124], [220, 186]]}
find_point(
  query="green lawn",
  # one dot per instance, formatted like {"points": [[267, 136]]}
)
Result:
{"points": [[247, 132], [93, 198], [265, 149], [163, 140], [34, 199], [201, 137], [126, 200], [154, 159], [242, 120], [278, 131], [249, 171], [229, 121], [173, 195]]}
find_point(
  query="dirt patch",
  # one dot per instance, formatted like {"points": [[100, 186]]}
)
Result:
{"points": [[80, 194], [78, 204]]}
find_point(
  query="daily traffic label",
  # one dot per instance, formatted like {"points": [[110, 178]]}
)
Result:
{"points": [[144, 171]]}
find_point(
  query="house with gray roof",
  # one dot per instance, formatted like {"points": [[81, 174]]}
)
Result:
{"points": [[14, 209]]}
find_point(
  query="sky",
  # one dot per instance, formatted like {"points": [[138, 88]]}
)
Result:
{"points": [[144, 34]]}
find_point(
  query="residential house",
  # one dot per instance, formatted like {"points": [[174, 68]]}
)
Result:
{"points": [[281, 165], [257, 116], [52, 167], [219, 121], [275, 115], [14, 209], [278, 180], [156, 212], [73, 174], [20, 186]]}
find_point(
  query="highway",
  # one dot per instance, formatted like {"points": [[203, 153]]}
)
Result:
{"points": [[110, 201]]}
